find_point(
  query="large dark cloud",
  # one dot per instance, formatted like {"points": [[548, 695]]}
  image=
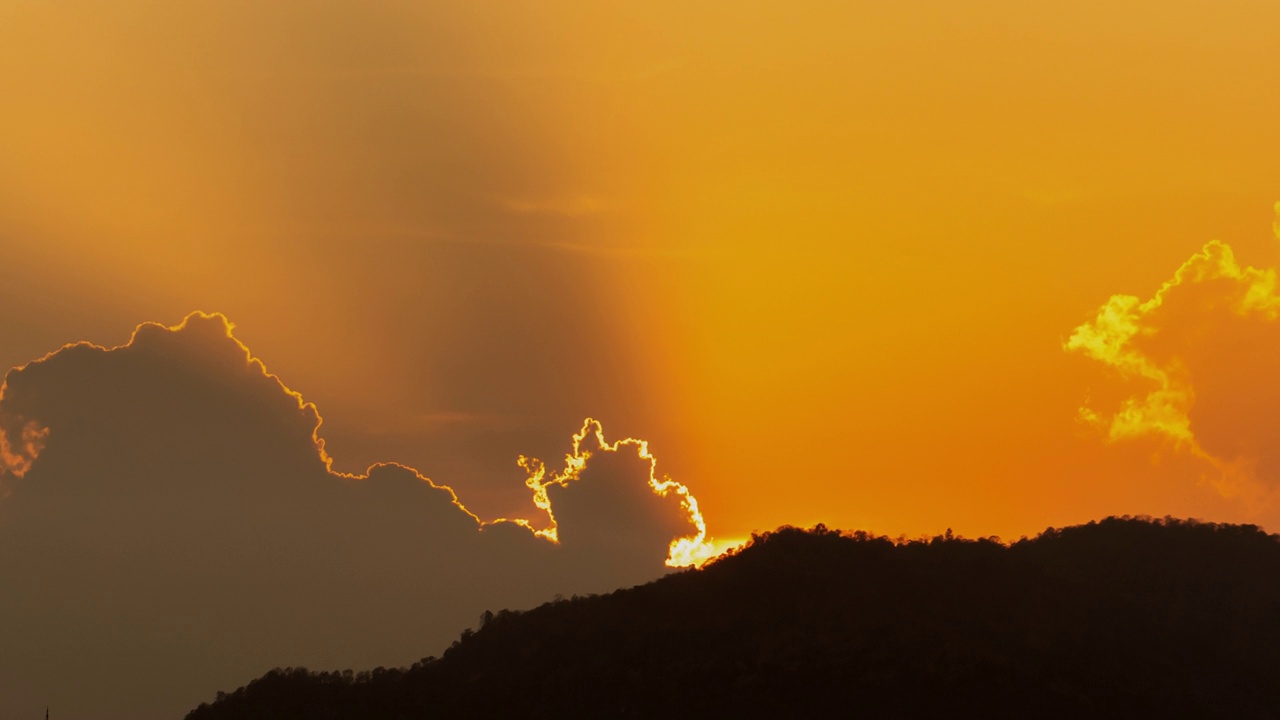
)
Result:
{"points": [[172, 527], [362, 167]]}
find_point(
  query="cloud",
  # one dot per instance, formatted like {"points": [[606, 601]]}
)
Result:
{"points": [[1197, 360], [636, 503], [27, 442], [173, 526]]}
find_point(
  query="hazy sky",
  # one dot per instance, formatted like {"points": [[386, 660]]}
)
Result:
{"points": [[829, 258]]}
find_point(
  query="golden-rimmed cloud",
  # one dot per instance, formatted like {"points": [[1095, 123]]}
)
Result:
{"points": [[1197, 360], [173, 497]]}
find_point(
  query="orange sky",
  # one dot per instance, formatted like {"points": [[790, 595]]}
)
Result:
{"points": [[824, 256]]}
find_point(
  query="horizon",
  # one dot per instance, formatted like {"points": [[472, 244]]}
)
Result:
{"points": [[552, 296]]}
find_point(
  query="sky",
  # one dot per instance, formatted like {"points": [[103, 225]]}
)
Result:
{"points": [[990, 266]]}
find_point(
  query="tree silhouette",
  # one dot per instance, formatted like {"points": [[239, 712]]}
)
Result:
{"points": [[1122, 617]]}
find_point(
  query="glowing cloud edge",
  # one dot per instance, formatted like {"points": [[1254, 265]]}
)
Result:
{"points": [[17, 454], [1165, 410], [683, 551]]}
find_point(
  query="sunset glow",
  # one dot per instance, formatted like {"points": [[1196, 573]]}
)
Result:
{"points": [[691, 550], [1206, 295], [787, 247], [990, 266]]}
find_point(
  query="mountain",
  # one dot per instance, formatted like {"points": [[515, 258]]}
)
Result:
{"points": [[1124, 617]]}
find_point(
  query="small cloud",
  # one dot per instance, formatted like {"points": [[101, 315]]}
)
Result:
{"points": [[20, 443], [616, 497], [1198, 357]]}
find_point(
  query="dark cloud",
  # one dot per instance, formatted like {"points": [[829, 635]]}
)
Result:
{"points": [[180, 531], [361, 166]]}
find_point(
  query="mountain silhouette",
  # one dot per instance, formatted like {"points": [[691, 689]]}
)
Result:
{"points": [[1125, 617]]}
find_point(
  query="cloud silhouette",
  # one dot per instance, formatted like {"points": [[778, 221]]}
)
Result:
{"points": [[173, 526], [630, 505], [1202, 354]]}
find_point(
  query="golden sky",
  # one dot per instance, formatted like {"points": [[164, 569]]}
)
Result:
{"points": [[989, 266], [827, 257]]}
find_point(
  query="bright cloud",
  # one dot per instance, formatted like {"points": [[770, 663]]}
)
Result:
{"points": [[1196, 359]]}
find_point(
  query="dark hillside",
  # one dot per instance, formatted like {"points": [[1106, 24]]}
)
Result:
{"points": [[1124, 617]]}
